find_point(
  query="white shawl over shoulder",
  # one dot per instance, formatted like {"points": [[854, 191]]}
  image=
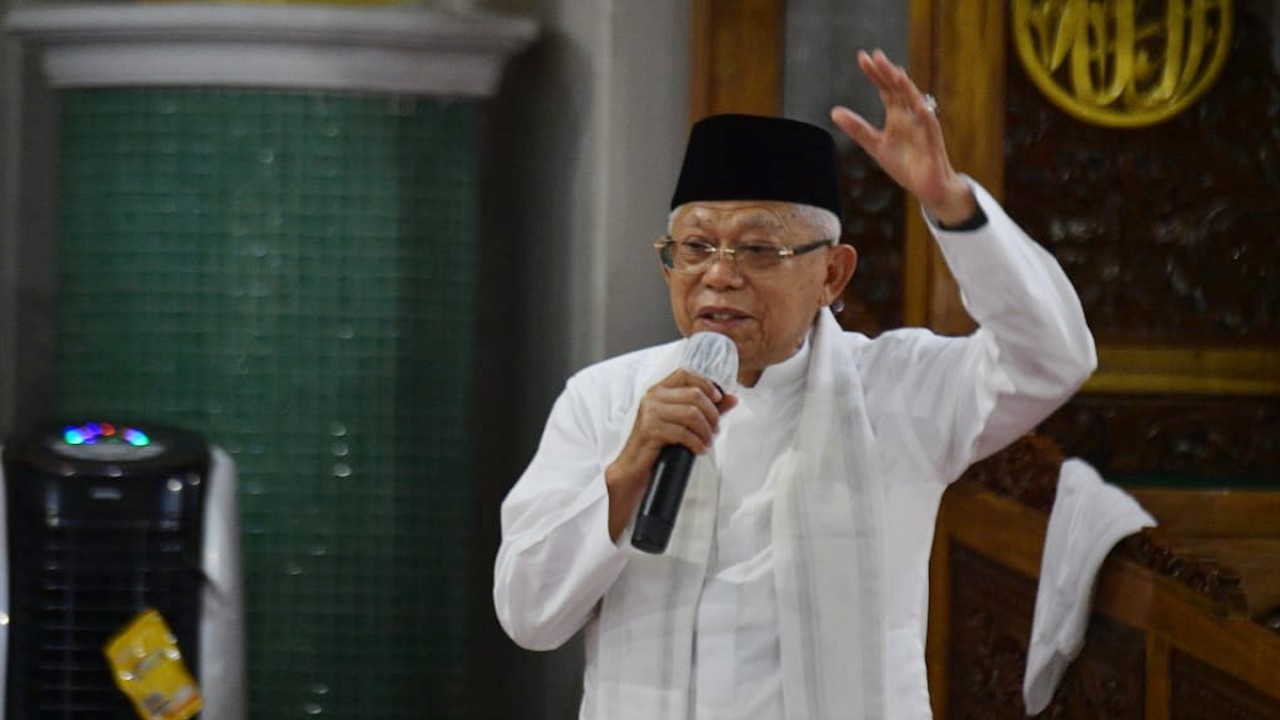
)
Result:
{"points": [[827, 552]]}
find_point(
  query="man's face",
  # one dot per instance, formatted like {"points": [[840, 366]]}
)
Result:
{"points": [[768, 312]]}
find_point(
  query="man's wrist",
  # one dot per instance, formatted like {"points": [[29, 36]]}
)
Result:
{"points": [[975, 220], [955, 207]]}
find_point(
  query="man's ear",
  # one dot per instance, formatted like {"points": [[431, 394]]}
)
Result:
{"points": [[842, 261]]}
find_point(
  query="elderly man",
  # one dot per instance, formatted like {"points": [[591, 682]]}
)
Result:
{"points": [[795, 582]]}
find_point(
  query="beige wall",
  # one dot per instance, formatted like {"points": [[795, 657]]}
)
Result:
{"points": [[587, 134], [28, 170], [8, 269], [583, 146]]}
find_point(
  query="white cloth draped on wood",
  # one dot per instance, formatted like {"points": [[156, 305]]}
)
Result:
{"points": [[1089, 517], [827, 553]]}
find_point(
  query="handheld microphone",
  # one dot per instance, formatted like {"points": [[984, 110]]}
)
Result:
{"points": [[714, 357]]}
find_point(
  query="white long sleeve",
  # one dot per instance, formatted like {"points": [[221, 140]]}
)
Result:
{"points": [[1033, 317], [947, 402], [556, 558]]}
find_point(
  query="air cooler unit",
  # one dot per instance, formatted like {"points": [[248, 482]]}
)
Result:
{"points": [[103, 521]]}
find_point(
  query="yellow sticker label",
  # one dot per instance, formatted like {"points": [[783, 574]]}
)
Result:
{"points": [[148, 668]]}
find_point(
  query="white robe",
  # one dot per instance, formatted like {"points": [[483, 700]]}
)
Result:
{"points": [[934, 406], [738, 612]]}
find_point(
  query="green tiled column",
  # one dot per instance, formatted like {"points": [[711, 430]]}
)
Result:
{"points": [[292, 274]]}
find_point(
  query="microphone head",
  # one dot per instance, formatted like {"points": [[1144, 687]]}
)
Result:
{"points": [[713, 356]]}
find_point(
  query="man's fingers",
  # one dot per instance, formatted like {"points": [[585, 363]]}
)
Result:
{"points": [[908, 93], [875, 67], [670, 415], [690, 390], [698, 417], [889, 76], [694, 442], [685, 429], [728, 403], [856, 127], [896, 88], [878, 77], [686, 378]]}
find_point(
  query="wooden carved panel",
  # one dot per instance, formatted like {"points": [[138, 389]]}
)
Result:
{"points": [[1170, 232], [991, 612], [873, 223], [1233, 440], [1027, 471], [1155, 549], [1202, 692]]}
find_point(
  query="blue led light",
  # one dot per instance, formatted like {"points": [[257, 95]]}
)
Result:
{"points": [[136, 437], [92, 433]]}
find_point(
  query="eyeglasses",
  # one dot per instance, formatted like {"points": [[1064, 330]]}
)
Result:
{"points": [[696, 255]]}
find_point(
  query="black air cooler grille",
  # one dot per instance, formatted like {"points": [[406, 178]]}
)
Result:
{"points": [[78, 579]]}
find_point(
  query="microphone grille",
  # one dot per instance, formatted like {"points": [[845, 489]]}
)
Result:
{"points": [[713, 356]]}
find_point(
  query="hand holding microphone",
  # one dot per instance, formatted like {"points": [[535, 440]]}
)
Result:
{"points": [[713, 357]]}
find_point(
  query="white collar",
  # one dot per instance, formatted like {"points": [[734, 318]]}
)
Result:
{"points": [[786, 376]]}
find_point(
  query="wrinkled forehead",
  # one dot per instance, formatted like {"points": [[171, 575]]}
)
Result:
{"points": [[736, 216]]}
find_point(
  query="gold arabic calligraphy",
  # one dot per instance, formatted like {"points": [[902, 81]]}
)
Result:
{"points": [[1123, 63]]}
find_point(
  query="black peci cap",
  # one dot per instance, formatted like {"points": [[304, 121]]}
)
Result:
{"points": [[749, 157]]}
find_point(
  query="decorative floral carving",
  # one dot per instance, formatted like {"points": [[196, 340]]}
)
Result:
{"points": [[873, 223], [1232, 440], [991, 612], [991, 609], [1026, 471], [1163, 243], [1154, 549]]}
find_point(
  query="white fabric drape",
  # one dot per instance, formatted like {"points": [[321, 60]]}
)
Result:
{"points": [[827, 508], [1089, 517]]}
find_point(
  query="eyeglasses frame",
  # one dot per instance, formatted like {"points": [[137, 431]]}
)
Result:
{"points": [[731, 253]]}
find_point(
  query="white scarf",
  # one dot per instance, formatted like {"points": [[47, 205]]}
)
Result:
{"points": [[826, 534]]}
